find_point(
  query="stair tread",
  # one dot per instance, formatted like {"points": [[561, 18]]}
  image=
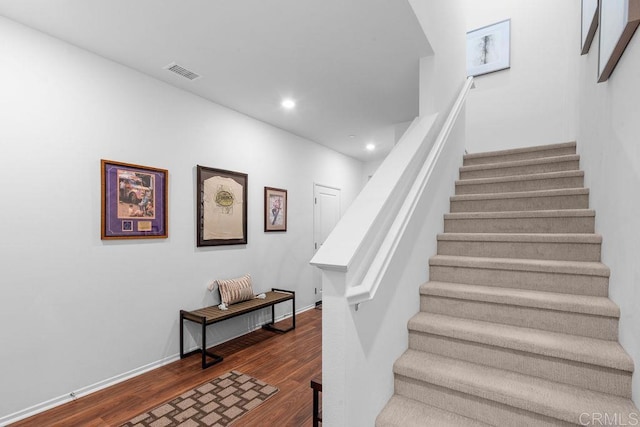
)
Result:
{"points": [[518, 163], [585, 304], [523, 237], [556, 213], [562, 192], [518, 264], [517, 178], [520, 150], [609, 354], [401, 411], [528, 393]]}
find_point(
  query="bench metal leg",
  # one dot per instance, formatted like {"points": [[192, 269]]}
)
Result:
{"points": [[181, 334], [203, 350], [271, 326]]}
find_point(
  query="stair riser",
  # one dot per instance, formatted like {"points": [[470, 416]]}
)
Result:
{"points": [[521, 225], [520, 250], [579, 201], [547, 320], [569, 165], [484, 410], [562, 151], [583, 375], [532, 280], [403, 412], [514, 186]]}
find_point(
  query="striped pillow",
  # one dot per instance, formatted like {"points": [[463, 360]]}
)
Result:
{"points": [[235, 290]]}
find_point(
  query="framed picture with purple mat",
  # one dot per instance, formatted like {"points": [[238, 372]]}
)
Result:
{"points": [[134, 201]]}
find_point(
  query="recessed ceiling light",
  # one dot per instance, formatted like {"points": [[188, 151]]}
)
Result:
{"points": [[288, 104], [370, 147]]}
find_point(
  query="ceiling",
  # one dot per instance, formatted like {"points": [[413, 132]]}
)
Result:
{"points": [[350, 65]]}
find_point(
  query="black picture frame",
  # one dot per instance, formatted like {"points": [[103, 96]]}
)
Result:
{"points": [[221, 207], [275, 209]]}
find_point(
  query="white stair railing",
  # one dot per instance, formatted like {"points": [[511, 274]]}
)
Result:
{"points": [[365, 240]]}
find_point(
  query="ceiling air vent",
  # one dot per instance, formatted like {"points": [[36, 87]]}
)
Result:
{"points": [[187, 74]]}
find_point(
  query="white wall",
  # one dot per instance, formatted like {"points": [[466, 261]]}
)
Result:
{"points": [[535, 101], [443, 73], [76, 310], [609, 148], [385, 139]]}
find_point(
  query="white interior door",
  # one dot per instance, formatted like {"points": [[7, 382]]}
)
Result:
{"points": [[326, 213]]}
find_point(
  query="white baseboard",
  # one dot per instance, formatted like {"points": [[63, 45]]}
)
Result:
{"points": [[60, 400], [84, 391]]}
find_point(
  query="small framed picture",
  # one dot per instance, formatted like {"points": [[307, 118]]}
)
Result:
{"points": [[134, 201], [275, 209], [488, 48], [221, 198]]}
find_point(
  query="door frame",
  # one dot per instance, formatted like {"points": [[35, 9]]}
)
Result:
{"points": [[317, 274]]}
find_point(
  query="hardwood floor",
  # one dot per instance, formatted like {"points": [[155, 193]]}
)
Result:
{"points": [[288, 361]]}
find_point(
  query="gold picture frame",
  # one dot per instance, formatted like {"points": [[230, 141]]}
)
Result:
{"points": [[134, 201]]}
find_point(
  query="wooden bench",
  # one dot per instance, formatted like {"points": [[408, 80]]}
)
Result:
{"points": [[209, 315]]}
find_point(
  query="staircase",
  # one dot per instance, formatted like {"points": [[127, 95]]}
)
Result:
{"points": [[515, 327]]}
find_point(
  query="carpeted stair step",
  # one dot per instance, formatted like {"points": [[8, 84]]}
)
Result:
{"points": [[594, 364], [521, 167], [571, 198], [588, 316], [403, 412], [533, 182], [569, 277], [540, 151], [568, 247], [549, 221], [499, 397]]}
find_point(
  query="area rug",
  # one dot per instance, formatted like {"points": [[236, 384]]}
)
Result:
{"points": [[217, 403]]}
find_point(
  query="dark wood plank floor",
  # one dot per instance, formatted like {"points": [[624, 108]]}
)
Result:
{"points": [[288, 361]]}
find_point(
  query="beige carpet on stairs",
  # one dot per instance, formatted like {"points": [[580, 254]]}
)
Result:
{"points": [[515, 327]]}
